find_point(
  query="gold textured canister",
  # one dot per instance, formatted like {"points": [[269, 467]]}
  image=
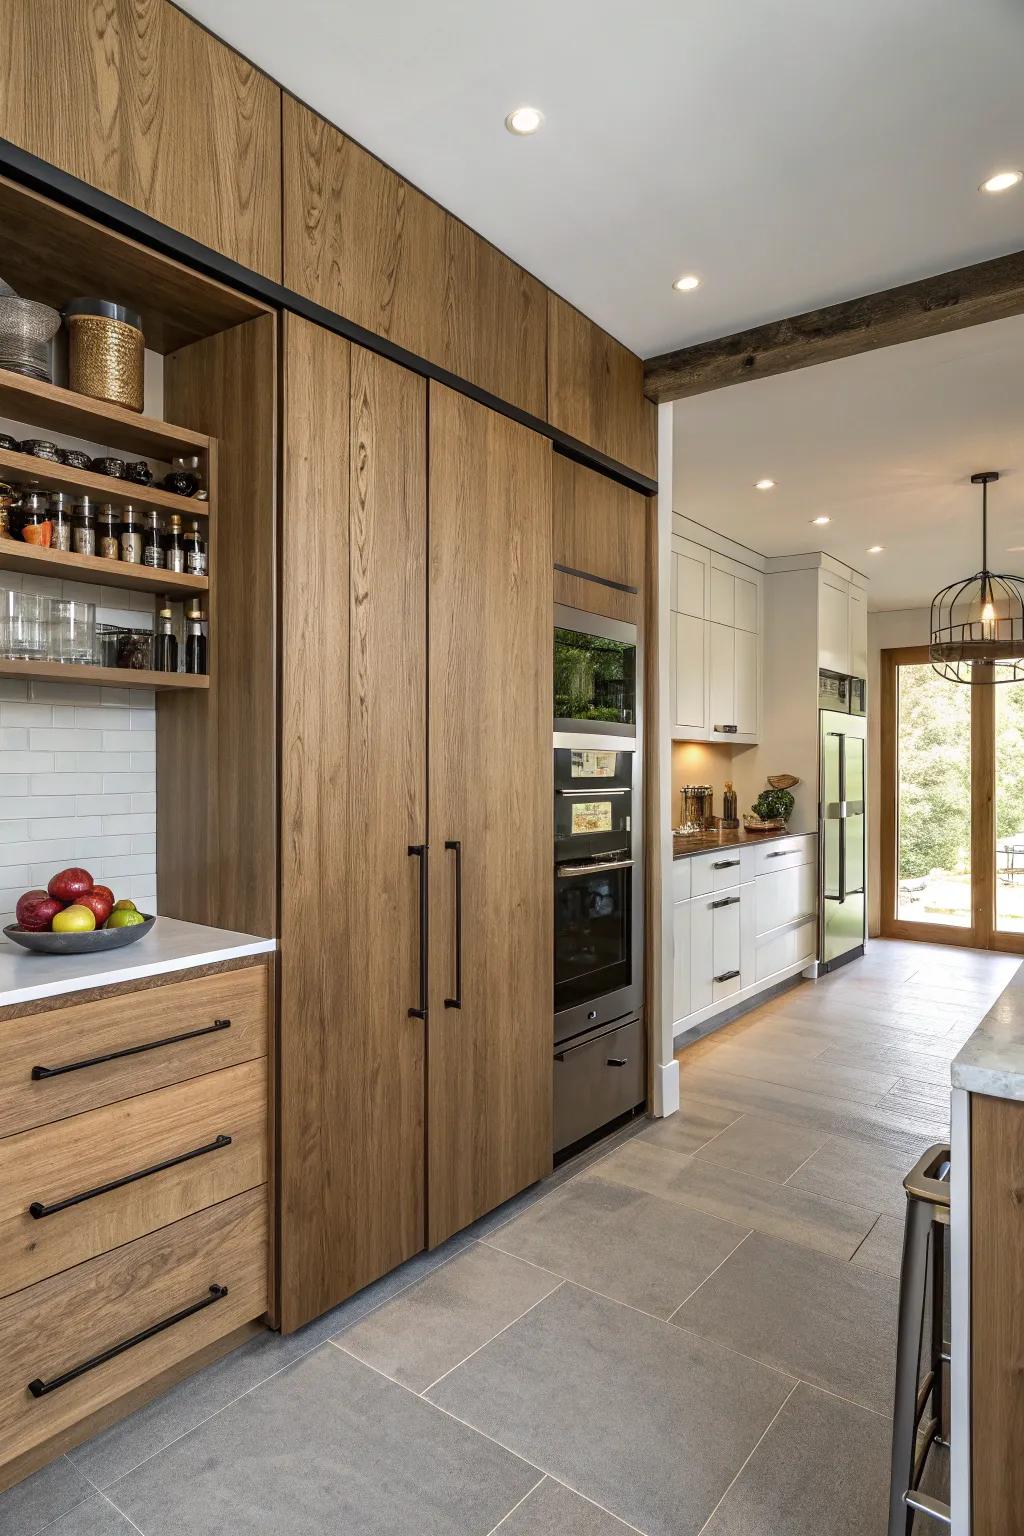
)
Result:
{"points": [[106, 352]]}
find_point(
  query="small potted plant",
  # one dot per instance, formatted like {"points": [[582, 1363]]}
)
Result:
{"points": [[773, 806]]}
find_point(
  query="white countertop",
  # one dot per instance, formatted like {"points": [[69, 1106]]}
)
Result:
{"points": [[992, 1059], [170, 945]]}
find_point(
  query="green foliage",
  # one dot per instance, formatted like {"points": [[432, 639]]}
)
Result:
{"points": [[772, 803], [590, 677]]}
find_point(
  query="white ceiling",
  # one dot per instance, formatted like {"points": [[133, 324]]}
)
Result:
{"points": [[884, 444], [791, 152]]}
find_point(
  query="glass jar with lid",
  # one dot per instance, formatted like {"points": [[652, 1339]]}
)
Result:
{"points": [[152, 543], [108, 532], [61, 518], [83, 535], [36, 527], [174, 544], [131, 535]]}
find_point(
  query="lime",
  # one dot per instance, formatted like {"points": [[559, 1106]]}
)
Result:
{"points": [[123, 918], [124, 906]]}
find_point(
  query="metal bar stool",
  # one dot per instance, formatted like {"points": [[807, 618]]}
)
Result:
{"points": [[924, 1250]]}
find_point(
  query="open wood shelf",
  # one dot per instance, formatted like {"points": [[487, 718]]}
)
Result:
{"points": [[108, 677], [44, 475], [61, 410], [33, 560]]}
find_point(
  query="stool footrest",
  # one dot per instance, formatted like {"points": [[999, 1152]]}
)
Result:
{"points": [[933, 1508]]}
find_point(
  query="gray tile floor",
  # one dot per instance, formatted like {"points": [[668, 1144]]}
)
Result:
{"points": [[687, 1332]]}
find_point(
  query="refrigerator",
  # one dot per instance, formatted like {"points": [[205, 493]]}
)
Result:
{"points": [[842, 821]]}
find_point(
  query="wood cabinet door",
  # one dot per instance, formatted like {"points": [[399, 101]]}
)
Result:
{"points": [[596, 390], [138, 100], [489, 1080], [353, 774], [599, 525]]}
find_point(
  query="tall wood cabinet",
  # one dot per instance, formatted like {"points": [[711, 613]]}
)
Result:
{"points": [[415, 1025]]}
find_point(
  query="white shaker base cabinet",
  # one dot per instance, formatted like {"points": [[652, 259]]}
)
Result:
{"points": [[743, 920]]}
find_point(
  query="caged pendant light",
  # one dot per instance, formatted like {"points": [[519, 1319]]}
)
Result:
{"points": [[977, 625]]}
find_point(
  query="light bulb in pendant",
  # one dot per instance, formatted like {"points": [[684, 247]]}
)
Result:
{"points": [[988, 613]]}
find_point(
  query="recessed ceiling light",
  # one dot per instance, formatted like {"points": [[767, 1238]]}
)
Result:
{"points": [[687, 283], [524, 120], [1002, 181], [875, 549], [764, 485], [820, 522]]}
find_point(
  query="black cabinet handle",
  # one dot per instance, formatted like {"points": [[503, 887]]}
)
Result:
{"points": [[726, 730], [617, 1061], [456, 1001], [726, 901], [780, 853], [727, 976], [419, 851], [727, 864], [131, 1050], [38, 1209], [40, 1388]]}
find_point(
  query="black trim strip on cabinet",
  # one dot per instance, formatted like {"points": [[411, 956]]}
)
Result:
{"points": [[40, 176], [602, 581]]}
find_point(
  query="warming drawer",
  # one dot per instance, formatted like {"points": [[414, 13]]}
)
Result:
{"points": [[597, 1080]]}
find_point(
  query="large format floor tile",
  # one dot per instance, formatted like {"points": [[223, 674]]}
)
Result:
{"points": [[749, 1203], [328, 1446], [690, 1128], [95, 1517], [650, 1422], [630, 1246], [859, 1084], [821, 1470], [33, 1505], [861, 1172], [554, 1510], [769, 1149], [833, 1324], [428, 1329], [882, 1249]]}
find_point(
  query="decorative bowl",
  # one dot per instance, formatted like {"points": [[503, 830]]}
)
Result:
{"points": [[96, 942], [26, 330]]}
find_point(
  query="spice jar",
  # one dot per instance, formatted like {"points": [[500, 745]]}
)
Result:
{"points": [[135, 649], [195, 551], [60, 516], [131, 536], [36, 527], [8, 501], [152, 545], [108, 542], [174, 544], [84, 531], [106, 351]]}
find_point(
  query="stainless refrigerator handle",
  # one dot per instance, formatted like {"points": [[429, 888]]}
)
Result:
{"points": [[842, 815], [597, 791], [565, 871]]}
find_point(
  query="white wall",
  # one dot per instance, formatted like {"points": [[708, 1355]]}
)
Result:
{"points": [[886, 631]]}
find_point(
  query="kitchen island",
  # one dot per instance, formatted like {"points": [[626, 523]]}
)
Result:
{"points": [[987, 1225]]}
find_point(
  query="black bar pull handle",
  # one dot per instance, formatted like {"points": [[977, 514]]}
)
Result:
{"points": [[727, 864], [131, 1050], [37, 1209], [456, 1001], [40, 1388], [419, 851], [726, 901], [727, 976], [617, 1061], [779, 853]]}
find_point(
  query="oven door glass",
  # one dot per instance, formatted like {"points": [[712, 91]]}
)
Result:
{"points": [[592, 933], [595, 678]]}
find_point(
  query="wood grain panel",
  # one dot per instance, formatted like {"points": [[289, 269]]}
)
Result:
{"points": [[216, 755], [59, 1035], [592, 597], [136, 99], [362, 241], [599, 525], [596, 389], [51, 1327], [353, 788], [55, 1162], [997, 1314], [490, 1062]]}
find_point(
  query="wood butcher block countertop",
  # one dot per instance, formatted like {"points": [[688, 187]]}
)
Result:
{"points": [[686, 844]]}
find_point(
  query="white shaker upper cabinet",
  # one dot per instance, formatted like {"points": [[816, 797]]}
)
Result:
{"points": [[734, 651], [858, 631], [688, 659], [833, 622]]}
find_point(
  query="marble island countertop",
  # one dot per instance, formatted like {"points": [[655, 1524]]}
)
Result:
{"points": [[170, 945], [991, 1060], [686, 844]]}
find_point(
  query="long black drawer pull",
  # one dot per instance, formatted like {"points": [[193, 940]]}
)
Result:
{"points": [[727, 976], [38, 1209], [780, 853], [727, 864], [419, 851], [456, 1001], [726, 901], [40, 1388], [131, 1050]]}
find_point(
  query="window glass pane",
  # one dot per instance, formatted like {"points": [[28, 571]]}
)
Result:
{"points": [[933, 808], [1010, 807]]}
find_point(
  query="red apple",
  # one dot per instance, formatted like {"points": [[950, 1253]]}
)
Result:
{"points": [[104, 890], [69, 884], [97, 904], [36, 911]]}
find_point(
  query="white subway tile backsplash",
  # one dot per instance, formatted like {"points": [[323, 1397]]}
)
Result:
{"points": [[144, 844], [27, 714], [63, 714], [140, 822], [144, 802], [27, 762], [105, 717], [125, 741], [46, 827], [31, 853], [100, 762], [65, 784], [78, 694], [14, 807], [144, 761], [13, 739], [130, 864], [9, 895], [142, 698], [104, 805], [13, 831], [12, 784], [12, 688], [121, 783], [63, 740], [15, 874], [100, 847]]}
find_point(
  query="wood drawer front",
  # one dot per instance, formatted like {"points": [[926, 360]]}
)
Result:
{"points": [[81, 1031], [784, 853], [59, 1324], [53, 1163]]}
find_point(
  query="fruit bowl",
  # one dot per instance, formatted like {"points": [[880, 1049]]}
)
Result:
{"points": [[95, 942]]}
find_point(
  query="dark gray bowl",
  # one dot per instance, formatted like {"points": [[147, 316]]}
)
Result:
{"points": [[97, 942]]}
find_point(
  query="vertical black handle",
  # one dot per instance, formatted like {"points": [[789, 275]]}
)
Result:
{"points": [[419, 851], [842, 817], [456, 1001]]}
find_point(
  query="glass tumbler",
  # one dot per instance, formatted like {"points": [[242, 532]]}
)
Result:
{"points": [[72, 632], [23, 617]]}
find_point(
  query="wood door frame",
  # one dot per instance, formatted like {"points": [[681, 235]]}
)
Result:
{"points": [[982, 932]]}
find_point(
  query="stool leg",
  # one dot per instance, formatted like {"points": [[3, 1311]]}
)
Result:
{"points": [[938, 1247], [913, 1289]]}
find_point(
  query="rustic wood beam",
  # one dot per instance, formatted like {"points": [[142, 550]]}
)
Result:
{"points": [[992, 290]]}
